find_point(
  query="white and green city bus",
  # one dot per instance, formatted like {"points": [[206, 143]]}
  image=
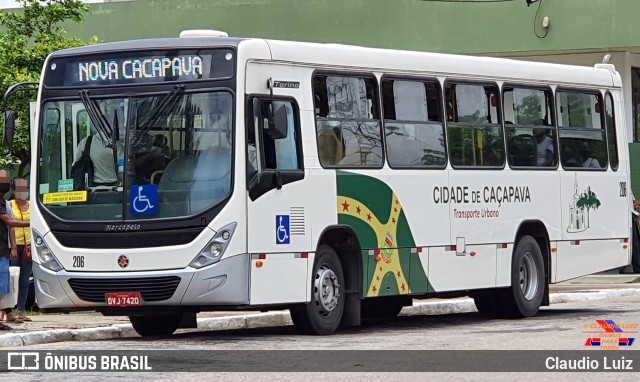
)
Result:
{"points": [[338, 182]]}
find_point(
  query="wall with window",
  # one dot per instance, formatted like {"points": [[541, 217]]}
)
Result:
{"points": [[402, 24]]}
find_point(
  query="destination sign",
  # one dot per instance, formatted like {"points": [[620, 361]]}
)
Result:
{"points": [[127, 68], [154, 68]]}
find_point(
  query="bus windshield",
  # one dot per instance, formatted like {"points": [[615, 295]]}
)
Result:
{"points": [[156, 156]]}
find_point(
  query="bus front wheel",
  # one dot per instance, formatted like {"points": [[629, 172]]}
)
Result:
{"points": [[152, 326], [322, 315]]}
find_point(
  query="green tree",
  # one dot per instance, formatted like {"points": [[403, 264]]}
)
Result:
{"points": [[27, 37], [588, 200]]}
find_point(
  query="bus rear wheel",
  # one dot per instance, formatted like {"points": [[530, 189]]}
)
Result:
{"points": [[635, 247], [153, 326], [322, 315], [487, 303], [524, 297]]}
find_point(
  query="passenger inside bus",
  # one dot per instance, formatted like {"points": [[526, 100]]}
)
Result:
{"points": [[149, 159], [159, 145], [545, 147], [103, 159], [585, 156]]}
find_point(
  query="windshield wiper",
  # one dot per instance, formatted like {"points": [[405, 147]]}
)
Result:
{"points": [[168, 100], [97, 118]]}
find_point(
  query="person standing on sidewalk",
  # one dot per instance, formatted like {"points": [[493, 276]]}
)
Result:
{"points": [[8, 248], [20, 209]]}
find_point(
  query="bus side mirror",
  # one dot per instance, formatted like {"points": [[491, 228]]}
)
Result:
{"points": [[9, 127], [280, 124], [262, 183]]}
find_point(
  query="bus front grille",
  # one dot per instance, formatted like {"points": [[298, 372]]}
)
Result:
{"points": [[127, 240], [151, 288]]}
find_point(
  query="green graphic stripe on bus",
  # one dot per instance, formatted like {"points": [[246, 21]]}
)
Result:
{"points": [[375, 213]]}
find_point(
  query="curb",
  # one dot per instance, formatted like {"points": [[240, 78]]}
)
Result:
{"points": [[251, 321], [605, 279]]}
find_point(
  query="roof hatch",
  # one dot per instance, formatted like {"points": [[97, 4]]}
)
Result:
{"points": [[195, 33]]}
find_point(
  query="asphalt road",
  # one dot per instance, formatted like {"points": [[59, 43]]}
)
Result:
{"points": [[559, 327]]}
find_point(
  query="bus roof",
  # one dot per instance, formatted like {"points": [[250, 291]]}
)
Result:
{"points": [[333, 55], [374, 59], [151, 44]]}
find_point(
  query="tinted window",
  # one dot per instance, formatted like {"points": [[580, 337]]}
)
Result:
{"points": [[414, 131], [581, 131], [531, 136], [347, 121], [475, 134]]}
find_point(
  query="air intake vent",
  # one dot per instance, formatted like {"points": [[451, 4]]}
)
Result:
{"points": [[151, 288], [297, 221], [127, 239]]}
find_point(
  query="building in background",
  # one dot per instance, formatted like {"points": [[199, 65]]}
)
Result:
{"points": [[559, 31]]}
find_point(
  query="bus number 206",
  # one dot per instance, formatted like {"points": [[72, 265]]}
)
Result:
{"points": [[78, 261]]}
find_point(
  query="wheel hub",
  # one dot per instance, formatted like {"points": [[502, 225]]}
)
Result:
{"points": [[326, 290], [528, 276]]}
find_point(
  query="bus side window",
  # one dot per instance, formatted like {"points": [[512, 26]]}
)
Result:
{"points": [[474, 129], [347, 121], [581, 130], [530, 128], [414, 130]]}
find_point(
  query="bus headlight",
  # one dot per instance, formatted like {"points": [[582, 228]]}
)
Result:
{"points": [[47, 259], [214, 250]]}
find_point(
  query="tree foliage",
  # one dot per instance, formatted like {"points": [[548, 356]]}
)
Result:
{"points": [[588, 200], [27, 37]]}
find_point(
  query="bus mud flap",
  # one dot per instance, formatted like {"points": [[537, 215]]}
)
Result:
{"points": [[352, 310]]}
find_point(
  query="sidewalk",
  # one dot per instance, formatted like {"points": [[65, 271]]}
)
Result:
{"points": [[46, 328]]}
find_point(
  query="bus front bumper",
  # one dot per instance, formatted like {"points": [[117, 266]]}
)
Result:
{"points": [[225, 283]]}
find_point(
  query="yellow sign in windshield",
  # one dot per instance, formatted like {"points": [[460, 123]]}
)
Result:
{"points": [[65, 197]]}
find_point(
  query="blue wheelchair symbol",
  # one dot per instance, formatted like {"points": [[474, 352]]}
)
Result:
{"points": [[143, 199], [282, 229]]}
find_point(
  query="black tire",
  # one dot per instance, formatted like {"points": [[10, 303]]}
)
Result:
{"points": [[635, 247], [524, 297], [31, 297], [153, 326], [322, 315], [381, 308], [487, 305]]}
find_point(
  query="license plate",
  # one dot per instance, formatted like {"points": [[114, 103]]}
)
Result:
{"points": [[123, 299]]}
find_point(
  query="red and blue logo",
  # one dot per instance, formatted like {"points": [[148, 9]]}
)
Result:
{"points": [[592, 342], [609, 326], [610, 334], [625, 341]]}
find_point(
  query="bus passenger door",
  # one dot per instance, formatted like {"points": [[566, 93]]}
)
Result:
{"points": [[595, 204], [279, 236]]}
